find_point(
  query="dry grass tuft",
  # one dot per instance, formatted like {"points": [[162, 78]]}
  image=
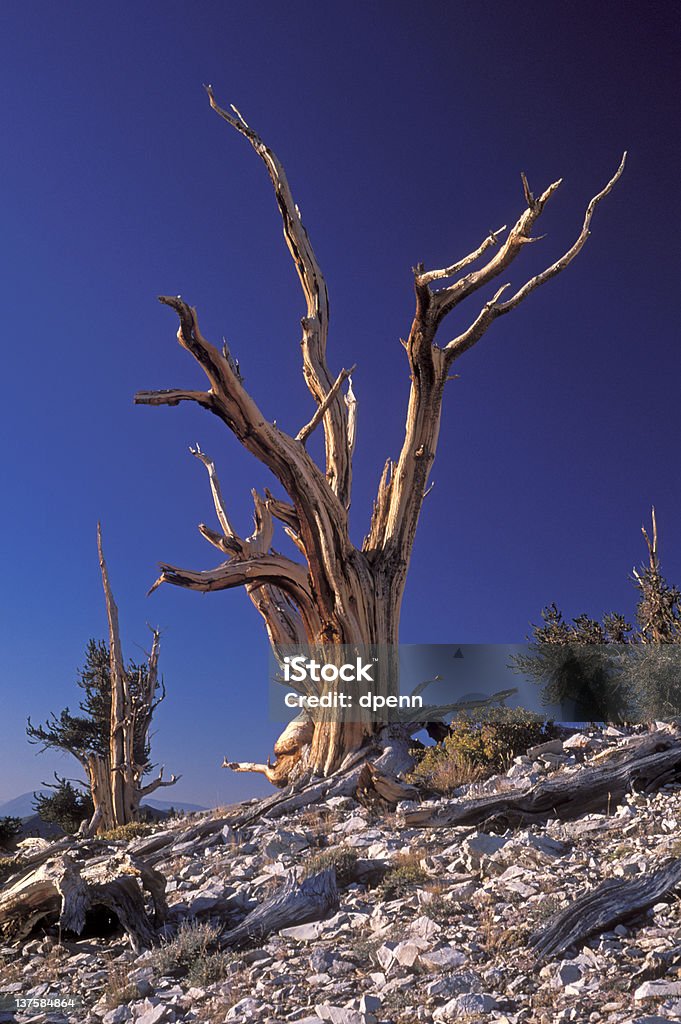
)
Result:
{"points": [[403, 875], [189, 955], [118, 990]]}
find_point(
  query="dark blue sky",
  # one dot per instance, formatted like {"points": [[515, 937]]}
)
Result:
{"points": [[403, 129]]}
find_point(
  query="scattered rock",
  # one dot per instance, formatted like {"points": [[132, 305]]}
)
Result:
{"points": [[549, 747]]}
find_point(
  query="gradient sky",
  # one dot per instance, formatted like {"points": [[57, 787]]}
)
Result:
{"points": [[404, 129]]}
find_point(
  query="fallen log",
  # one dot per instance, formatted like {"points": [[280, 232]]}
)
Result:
{"points": [[63, 890], [294, 903], [598, 786], [600, 909]]}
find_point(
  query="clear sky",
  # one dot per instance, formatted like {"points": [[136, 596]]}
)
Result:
{"points": [[404, 128]]}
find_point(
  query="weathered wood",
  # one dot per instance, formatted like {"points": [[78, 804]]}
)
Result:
{"points": [[64, 890], [600, 909], [340, 593], [597, 786], [294, 903], [115, 778], [374, 785]]}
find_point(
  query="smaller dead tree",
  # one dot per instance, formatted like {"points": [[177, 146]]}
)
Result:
{"points": [[111, 739]]}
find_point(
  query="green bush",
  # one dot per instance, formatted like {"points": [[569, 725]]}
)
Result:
{"points": [[8, 865], [133, 830], [9, 828], [403, 875], [478, 746]]}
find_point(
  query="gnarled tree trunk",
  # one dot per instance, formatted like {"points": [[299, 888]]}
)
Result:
{"points": [[339, 594], [115, 778]]}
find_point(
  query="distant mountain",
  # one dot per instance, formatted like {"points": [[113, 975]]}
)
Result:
{"points": [[22, 806], [165, 805]]}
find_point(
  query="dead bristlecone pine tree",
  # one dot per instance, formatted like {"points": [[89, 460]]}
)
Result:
{"points": [[337, 593], [111, 742]]}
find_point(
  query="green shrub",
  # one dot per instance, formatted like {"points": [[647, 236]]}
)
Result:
{"points": [[402, 876], [207, 969], [479, 745], [8, 865], [443, 910], [67, 806], [9, 827], [133, 830]]}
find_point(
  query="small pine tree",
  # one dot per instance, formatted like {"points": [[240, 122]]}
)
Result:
{"points": [[9, 828], [88, 733], [578, 665], [67, 807]]}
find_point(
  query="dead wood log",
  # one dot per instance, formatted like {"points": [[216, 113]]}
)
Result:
{"points": [[602, 908], [64, 890], [294, 903], [375, 786], [598, 786]]}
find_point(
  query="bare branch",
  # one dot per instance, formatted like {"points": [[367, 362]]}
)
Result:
{"points": [[322, 518], [493, 309], [283, 511], [487, 314], [529, 198], [173, 396], [218, 540], [568, 257], [237, 572], [158, 783], [651, 544], [351, 405], [118, 752], [398, 507], [315, 323], [427, 277], [444, 300], [305, 431], [218, 500]]}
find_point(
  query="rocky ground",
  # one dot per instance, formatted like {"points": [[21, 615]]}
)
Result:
{"points": [[443, 937]]}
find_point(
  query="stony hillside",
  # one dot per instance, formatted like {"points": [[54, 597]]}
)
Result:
{"points": [[421, 924]]}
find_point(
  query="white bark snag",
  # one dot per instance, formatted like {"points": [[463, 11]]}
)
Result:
{"points": [[115, 779], [338, 593]]}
